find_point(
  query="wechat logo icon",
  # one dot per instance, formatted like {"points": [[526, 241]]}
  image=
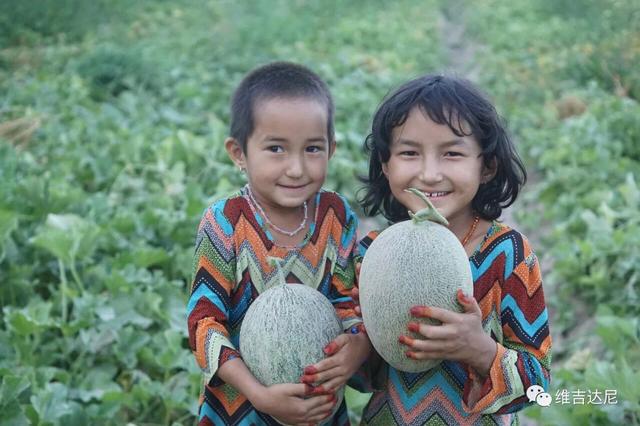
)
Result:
{"points": [[536, 393]]}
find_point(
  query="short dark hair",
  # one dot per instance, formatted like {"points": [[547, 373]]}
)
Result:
{"points": [[451, 101], [275, 80]]}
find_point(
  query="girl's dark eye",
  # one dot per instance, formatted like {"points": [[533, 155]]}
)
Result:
{"points": [[275, 148], [314, 148], [453, 154], [408, 153]]}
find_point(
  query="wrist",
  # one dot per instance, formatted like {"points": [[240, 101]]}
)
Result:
{"points": [[258, 397], [364, 346], [483, 359]]}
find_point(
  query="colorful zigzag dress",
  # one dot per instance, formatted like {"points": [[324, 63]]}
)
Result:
{"points": [[508, 288], [230, 270]]}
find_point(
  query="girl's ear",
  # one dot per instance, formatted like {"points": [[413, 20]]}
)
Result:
{"points": [[235, 153], [489, 172], [332, 148], [385, 169]]}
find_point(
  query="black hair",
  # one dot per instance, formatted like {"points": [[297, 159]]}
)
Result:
{"points": [[275, 80], [457, 103]]}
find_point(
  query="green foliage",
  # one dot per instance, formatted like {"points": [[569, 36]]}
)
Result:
{"points": [[112, 117], [111, 146], [27, 21], [112, 70], [570, 90]]}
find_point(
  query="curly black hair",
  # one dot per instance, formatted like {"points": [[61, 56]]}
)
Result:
{"points": [[457, 103]]}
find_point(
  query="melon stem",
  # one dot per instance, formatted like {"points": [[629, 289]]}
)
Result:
{"points": [[429, 213]]}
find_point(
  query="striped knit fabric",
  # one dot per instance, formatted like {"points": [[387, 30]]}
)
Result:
{"points": [[231, 270], [508, 288]]}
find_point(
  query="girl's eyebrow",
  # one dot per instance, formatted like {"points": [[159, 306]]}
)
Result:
{"points": [[317, 139], [270, 138], [409, 142], [314, 139], [454, 142]]}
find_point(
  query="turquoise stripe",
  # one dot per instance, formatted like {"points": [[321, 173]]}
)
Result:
{"points": [[251, 419], [505, 247], [221, 220], [437, 381], [207, 411], [510, 303], [541, 378], [204, 291]]}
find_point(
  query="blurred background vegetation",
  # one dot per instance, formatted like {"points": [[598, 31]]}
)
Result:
{"points": [[112, 117]]}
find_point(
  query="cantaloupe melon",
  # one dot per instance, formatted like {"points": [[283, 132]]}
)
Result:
{"points": [[414, 262], [285, 329]]}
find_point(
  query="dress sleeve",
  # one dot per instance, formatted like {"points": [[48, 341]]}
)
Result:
{"points": [[523, 357], [208, 308], [342, 280], [372, 373]]}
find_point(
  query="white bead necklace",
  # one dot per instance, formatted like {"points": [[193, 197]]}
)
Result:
{"points": [[271, 224]]}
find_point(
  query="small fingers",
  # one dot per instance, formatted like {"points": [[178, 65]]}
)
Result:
{"points": [[319, 390], [311, 404], [321, 410], [335, 345], [294, 390], [322, 376], [324, 365], [469, 303], [442, 315], [415, 345], [422, 355], [335, 383], [430, 331]]}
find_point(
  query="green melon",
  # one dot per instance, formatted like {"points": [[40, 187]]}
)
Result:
{"points": [[414, 262], [285, 330]]}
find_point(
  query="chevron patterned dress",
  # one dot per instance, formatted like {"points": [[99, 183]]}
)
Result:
{"points": [[508, 288], [230, 270]]}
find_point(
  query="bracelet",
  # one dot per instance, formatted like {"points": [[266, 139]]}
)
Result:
{"points": [[356, 329]]}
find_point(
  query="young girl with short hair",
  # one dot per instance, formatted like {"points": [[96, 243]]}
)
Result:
{"points": [[282, 138]]}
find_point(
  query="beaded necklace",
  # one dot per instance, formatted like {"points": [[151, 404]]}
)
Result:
{"points": [[271, 224]]}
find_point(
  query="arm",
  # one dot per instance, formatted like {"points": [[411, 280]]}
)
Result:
{"points": [[210, 299], [523, 357], [372, 373], [349, 350], [343, 277], [289, 403], [208, 312], [499, 373]]}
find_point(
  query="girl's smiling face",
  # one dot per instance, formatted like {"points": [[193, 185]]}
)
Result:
{"points": [[448, 168], [287, 153]]}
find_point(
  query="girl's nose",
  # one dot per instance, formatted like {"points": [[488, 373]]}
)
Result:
{"points": [[431, 171], [295, 168]]}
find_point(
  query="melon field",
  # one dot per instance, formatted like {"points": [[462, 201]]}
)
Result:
{"points": [[112, 121]]}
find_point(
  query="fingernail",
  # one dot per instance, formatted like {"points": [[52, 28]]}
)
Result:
{"points": [[410, 354], [310, 370], [309, 379], [419, 311], [406, 340], [319, 390], [413, 327], [330, 348], [463, 296]]}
